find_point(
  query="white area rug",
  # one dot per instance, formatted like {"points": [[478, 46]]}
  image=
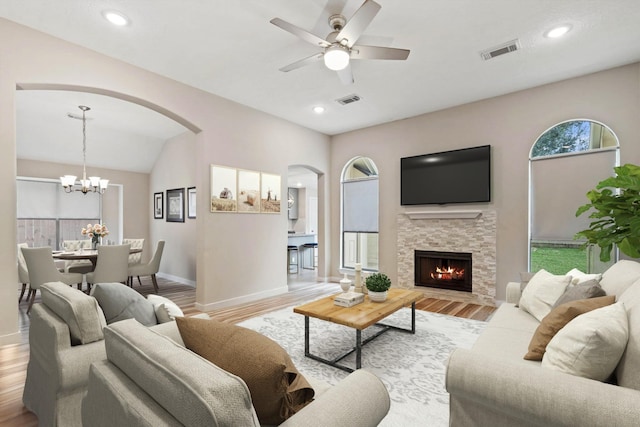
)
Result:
{"points": [[412, 367]]}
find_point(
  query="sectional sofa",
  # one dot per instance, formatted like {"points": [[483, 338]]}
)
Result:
{"points": [[492, 384]]}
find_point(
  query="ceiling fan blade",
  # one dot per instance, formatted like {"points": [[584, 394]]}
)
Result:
{"points": [[346, 75], [377, 52], [297, 31], [301, 63], [358, 22]]}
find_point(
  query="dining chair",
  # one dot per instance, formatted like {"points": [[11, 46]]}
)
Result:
{"points": [[43, 270], [149, 269], [81, 265], [23, 273], [134, 258], [112, 265]]}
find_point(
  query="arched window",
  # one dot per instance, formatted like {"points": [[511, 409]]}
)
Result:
{"points": [[359, 214], [565, 162]]}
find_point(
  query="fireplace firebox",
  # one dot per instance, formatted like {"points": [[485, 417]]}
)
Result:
{"points": [[443, 270]]}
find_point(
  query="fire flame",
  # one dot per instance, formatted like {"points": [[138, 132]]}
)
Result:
{"points": [[448, 273]]}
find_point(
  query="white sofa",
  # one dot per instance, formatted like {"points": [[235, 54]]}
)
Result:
{"points": [[67, 337], [491, 383]]}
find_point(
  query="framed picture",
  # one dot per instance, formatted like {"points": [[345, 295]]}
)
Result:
{"points": [[191, 202], [248, 191], [175, 205], [158, 205], [270, 193], [223, 189]]}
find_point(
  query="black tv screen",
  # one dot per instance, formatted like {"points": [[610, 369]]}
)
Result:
{"points": [[459, 176]]}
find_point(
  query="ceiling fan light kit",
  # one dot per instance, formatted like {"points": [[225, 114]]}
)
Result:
{"points": [[336, 57], [339, 46]]}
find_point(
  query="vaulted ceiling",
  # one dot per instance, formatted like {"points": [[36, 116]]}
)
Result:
{"points": [[230, 48]]}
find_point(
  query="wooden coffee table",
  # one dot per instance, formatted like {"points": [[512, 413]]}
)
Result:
{"points": [[359, 317]]}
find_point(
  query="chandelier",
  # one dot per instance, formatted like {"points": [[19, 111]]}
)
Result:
{"points": [[94, 183]]}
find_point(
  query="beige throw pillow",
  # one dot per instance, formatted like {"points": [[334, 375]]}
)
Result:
{"points": [[590, 345], [557, 319], [542, 291], [277, 389], [578, 276]]}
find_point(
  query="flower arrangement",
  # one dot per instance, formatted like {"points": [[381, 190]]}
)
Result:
{"points": [[95, 232]]}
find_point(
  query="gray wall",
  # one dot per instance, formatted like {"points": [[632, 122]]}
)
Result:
{"points": [[511, 124]]}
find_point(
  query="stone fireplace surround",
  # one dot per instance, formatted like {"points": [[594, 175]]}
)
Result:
{"points": [[450, 231]]}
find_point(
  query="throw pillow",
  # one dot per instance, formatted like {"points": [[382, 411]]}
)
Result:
{"points": [[165, 309], [277, 389], [557, 319], [579, 277], [589, 289], [542, 292], [590, 345], [120, 302]]}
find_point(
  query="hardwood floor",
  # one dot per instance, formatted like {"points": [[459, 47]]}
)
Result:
{"points": [[14, 358]]}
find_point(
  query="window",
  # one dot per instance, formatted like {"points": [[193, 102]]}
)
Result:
{"points": [[359, 220], [565, 162], [47, 215]]}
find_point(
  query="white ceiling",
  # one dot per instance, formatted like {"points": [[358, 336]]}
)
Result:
{"points": [[230, 48]]}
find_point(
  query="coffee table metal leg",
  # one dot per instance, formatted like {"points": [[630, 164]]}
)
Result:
{"points": [[358, 348], [413, 318], [306, 336]]}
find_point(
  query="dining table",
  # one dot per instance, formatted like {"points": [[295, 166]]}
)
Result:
{"points": [[85, 254]]}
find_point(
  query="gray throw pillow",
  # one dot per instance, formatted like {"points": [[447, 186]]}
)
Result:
{"points": [[120, 302], [584, 290]]}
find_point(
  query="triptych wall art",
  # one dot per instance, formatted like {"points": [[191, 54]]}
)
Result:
{"points": [[244, 191]]}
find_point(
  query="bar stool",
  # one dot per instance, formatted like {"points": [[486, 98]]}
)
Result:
{"points": [[292, 259], [313, 247]]}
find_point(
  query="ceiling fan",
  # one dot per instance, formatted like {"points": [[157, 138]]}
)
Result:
{"points": [[340, 47]]}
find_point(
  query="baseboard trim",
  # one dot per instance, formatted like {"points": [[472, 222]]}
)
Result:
{"points": [[178, 279], [242, 299], [13, 338]]}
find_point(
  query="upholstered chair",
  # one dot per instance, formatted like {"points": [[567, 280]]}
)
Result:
{"points": [[134, 258], [151, 268], [112, 265], [43, 270], [23, 273], [81, 265]]}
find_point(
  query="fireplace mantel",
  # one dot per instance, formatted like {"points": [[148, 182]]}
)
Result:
{"points": [[444, 214]]}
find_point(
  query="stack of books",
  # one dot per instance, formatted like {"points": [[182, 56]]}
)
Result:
{"points": [[348, 299]]}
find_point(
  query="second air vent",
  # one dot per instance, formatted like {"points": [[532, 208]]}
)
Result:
{"points": [[348, 99], [508, 47]]}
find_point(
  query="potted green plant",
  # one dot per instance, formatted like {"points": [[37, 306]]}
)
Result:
{"points": [[616, 205], [377, 284]]}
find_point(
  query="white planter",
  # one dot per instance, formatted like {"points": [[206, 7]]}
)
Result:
{"points": [[377, 296]]}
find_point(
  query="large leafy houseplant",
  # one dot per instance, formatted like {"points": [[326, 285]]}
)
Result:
{"points": [[616, 212]]}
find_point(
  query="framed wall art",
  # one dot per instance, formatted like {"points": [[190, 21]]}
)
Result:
{"points": [[191, 202], [158, 205], [175, 205], [270, 193], [223, 189], [248, 191]]}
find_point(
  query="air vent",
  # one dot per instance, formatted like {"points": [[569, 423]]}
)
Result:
{"points": [[350, 99], [508, 47]]}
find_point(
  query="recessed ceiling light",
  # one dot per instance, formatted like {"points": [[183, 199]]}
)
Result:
{"points": [[116, 18], [318, 109], [558, 31]]}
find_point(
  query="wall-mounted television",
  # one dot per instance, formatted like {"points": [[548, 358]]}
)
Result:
{"points": [[458, 176]]}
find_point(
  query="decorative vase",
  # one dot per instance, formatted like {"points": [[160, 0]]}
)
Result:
{"points": [[377, 296], [345, 283], [358, 283], [95, 241]]}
